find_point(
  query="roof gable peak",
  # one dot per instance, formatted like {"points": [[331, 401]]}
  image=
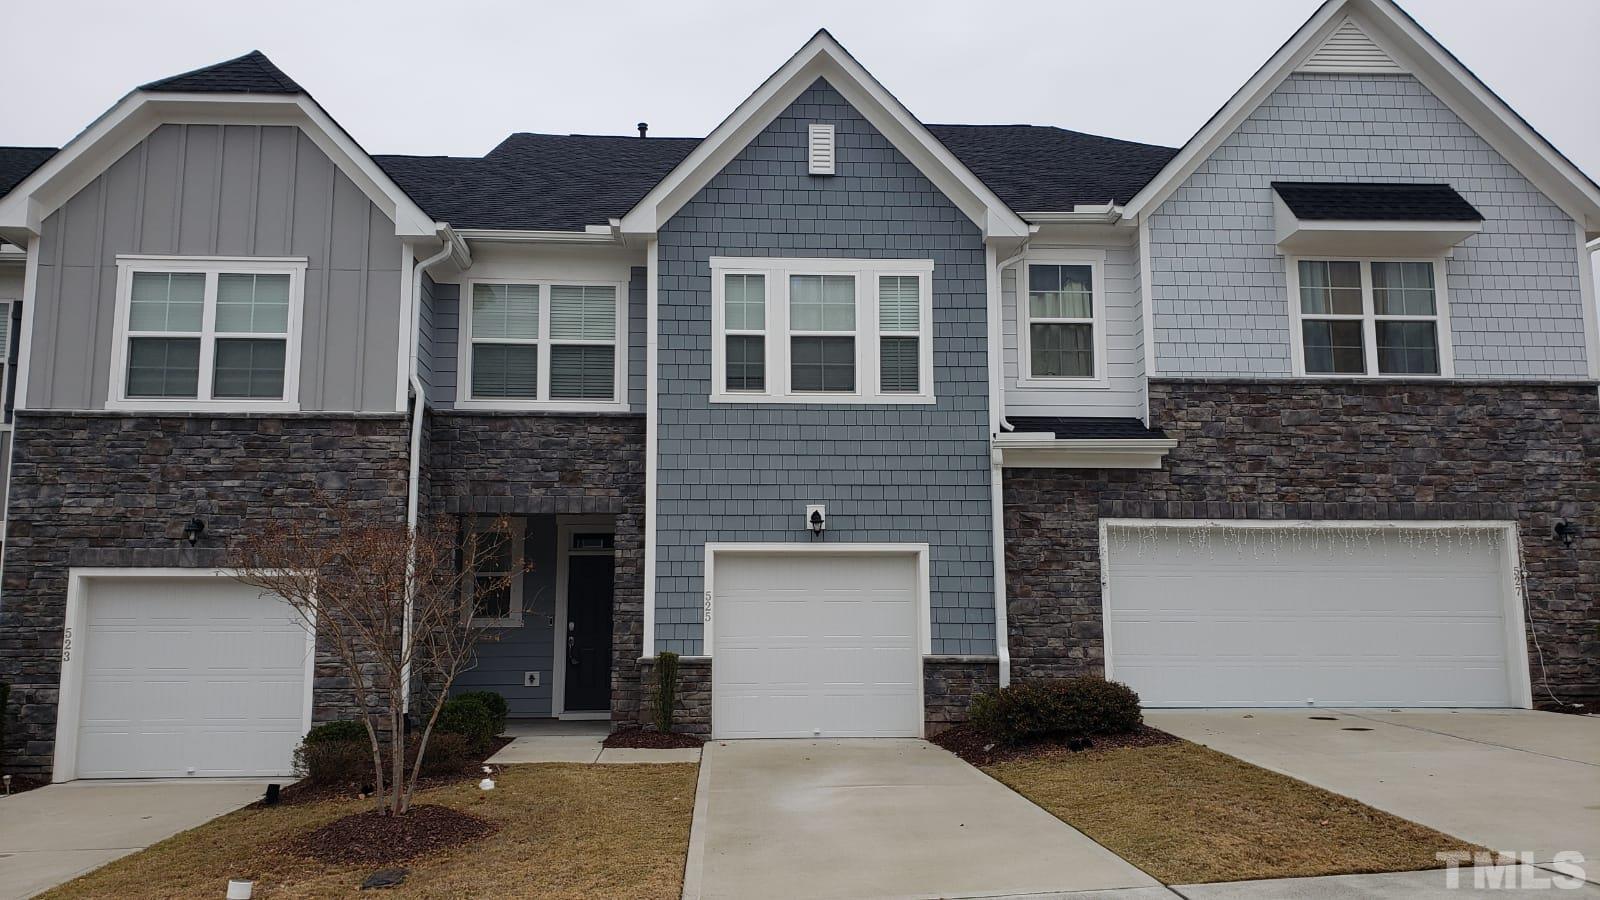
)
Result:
{"points": [[252, 73]]}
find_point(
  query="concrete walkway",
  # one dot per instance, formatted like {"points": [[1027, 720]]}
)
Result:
{"points": [[58, 832], [553, 740], [1511, 780], [877, 818]]}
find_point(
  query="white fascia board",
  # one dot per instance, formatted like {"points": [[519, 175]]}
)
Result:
{"points": [[823, 57], [1430, 63], [120, 129], [1035, 450], [523, 236]]}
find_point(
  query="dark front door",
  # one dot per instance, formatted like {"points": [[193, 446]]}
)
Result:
{"points": [[588, 633]]}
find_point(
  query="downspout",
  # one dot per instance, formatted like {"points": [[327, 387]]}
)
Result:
{"points": [[418, 406], [998, 422]]}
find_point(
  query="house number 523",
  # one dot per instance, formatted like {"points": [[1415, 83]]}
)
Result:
{"points": [[66, 645]]}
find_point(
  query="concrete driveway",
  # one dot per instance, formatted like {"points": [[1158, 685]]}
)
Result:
{"points": [[877, 818], [60, 831], [1511, 780]]}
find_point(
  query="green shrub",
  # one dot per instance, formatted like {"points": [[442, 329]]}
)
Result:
{"points": [[494, 703], [1068, 708], [666, 699], [470, 718], [447, 754], [348, 763], [330, 732]]}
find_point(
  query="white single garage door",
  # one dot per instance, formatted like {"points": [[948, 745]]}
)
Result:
{"points": [[1332, 616], [188, 677], [809, 644]]}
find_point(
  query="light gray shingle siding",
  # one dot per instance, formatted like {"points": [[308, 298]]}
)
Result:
{"points": [[910, 473], [1219, 292]]}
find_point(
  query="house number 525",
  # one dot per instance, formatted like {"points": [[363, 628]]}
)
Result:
{"points": [[708, 607]]}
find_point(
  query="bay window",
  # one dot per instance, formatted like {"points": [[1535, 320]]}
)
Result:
{"points": [[207, 333], [1371, 317], [533, 345], [821, 330]]}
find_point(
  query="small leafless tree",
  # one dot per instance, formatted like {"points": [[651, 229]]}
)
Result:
{"points": [[393, 606]]}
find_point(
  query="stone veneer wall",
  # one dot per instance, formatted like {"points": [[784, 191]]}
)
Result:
{"points": [[1327, 450], [533, 464], [948, 685], [115, 490], [693, 712]]}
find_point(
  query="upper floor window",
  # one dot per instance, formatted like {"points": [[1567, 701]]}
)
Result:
{"points": [[531, 345], [1375, 317], [821, 330], [1062, 338], [207, 333]]}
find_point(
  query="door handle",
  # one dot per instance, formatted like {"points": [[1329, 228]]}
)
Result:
{"points": [[571, 642]]}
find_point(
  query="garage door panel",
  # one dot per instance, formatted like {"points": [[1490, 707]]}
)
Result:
{"points": [[1373, 618], [189, 673], [809, 643]]}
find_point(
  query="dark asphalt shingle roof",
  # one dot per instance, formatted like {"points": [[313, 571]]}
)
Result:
{"points": [[17, 163], [565, 182], [1069, 428], [1040, 168], [1355, 201], [251, 73]]}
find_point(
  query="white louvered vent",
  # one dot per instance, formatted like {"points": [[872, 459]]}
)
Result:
{"points": [[1350, 50], [820, 155]]}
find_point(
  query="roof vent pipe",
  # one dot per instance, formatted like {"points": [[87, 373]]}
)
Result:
{"points": [[643, 127]]}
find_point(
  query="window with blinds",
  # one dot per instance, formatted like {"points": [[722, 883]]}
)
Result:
{"points": [[534, 343], [899, 324], [205, 331]]}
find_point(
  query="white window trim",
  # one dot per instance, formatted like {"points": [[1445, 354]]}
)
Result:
{"points": [[1096, 261], [211, 266], [867, 331], [519, 539], [6, 306], [619, 377], [1369, 319]]}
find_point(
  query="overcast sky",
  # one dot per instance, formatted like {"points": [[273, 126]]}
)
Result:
{"points": [[455, 77]]}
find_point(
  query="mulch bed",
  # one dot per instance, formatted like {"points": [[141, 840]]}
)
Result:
{"points": [[651, 739], [980, 750], [304, 791], [375, 838]]}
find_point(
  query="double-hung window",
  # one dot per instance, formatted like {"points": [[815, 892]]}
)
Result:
{"points": [[494, 585], [207, 333], [1370, 317], [822, 330], [1063, 324], [530, 345]]}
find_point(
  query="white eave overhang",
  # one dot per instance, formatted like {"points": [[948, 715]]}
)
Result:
{"points": [[592, 234], [1346, 237], [1043, 450]]}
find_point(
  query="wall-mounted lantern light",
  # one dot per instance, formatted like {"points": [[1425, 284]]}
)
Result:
{"points": [[816, 519], [1566, 531], [193, 529]]}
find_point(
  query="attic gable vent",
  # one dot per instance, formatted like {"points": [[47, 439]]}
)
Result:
{"points": [[820, 155], [1350, 50]]}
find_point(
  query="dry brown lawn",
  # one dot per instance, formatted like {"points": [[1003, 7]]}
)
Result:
{"points": [[1188, 814], [565, 831]]}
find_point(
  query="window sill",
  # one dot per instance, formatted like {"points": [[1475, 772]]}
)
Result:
{"points": [[1064, 384], [497, 623], [566, 406], [204, 406], [826, 399], [1348, 376]]}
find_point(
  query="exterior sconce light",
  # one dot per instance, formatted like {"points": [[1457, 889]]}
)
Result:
{"points": [[816, 519], [193, 529], [1566, 531]]}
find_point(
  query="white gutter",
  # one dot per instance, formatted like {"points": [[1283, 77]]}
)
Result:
{"points": [[997, 422], [419, 401]]}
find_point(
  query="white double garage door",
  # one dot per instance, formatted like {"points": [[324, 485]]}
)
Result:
{"points": [[812, 644], [175, 674]]}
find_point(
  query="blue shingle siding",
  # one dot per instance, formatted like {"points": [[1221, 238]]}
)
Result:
{"points": [[743, 473], [1219, 292], [425, 334]]}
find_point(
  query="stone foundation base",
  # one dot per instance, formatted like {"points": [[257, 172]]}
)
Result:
{"points": [[693, 713], [948, 685]]}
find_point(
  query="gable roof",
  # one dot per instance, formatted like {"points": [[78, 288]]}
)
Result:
{"points": [[567, 182], [1415, 52], [1332, 201], [17, 163], [822, 57], [251, 73]]}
